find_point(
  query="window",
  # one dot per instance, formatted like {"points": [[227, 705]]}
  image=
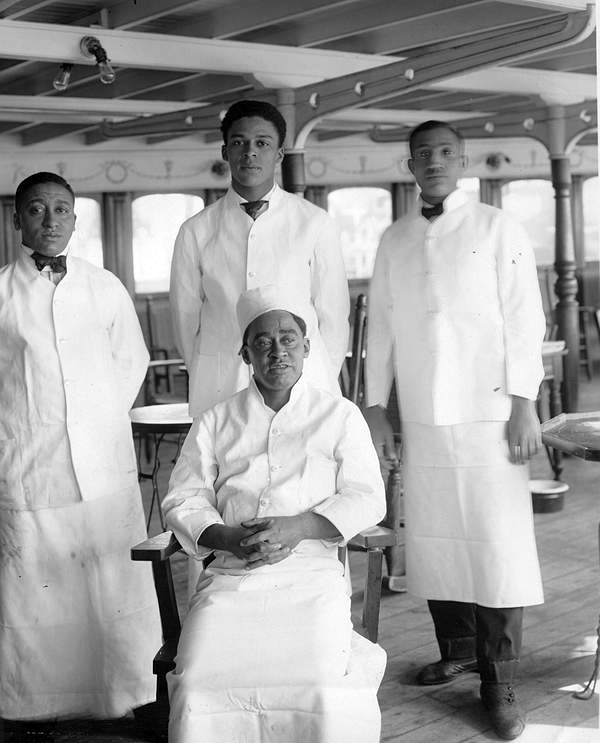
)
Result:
{"points": [[470, 186], [591, 218], [532, 203], [362, 215], [156, 222], [86, 241]]}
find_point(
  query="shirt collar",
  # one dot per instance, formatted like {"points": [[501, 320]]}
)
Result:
{"points": [[29, 250], [241, 200], [453, 201], [295, 395]]}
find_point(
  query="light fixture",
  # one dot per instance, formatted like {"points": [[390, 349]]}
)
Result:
{"points": [[528, 124], [61, 81], [495, 160], [585, 116], [489, 127], [91, 47]]}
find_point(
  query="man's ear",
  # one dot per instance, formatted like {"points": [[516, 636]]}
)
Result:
{"points": [[464, 162], [224, 152], [16, 221], [245, 355], [280, 154], [306, 347], [411, 165]]}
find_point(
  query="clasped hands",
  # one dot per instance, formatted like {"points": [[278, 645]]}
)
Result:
{"points": [[265, 541]]}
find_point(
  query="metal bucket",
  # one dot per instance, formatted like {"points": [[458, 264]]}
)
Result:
{"points": [[547, 495]]}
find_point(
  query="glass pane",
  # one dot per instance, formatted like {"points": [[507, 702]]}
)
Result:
{"points": [[156, 222], [362, 215], [532, 203], [591, 218], [86, 241]]}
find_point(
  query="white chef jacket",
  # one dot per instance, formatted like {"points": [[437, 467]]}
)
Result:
{"points": [[220, 253], [68, 381], [455, 311], [78, 620], [242, 460]]}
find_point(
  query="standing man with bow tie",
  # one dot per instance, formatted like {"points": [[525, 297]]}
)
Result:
{"points": [[257, 234], [78, 620], [456, 317]]}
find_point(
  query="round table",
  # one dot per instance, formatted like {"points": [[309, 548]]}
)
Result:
{"points": [[578, 434], [156, 422]]}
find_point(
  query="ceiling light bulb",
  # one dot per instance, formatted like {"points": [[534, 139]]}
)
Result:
{"points": [[61, 81], [107, 74], [91, 47]]}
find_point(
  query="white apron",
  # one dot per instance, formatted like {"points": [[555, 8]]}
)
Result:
{"points": [[270, 656], [469, 521], [78, 619]]}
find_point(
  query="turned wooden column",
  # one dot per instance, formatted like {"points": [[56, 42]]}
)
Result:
{"points": [[317, 195], [117, 237], [490, 192], [292, 172], [567, 309], [578, 219], [404, 196], [10, 239]]}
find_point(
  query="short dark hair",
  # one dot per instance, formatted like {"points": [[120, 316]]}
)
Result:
{"points": [[427, 126], [242, 109], [299, 321], [34, 180]]}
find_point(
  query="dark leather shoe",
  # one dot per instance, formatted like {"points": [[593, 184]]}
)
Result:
{"points": [[445, 671], [502, 708]]}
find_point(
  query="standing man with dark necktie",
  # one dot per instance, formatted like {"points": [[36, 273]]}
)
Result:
{"points": [[257, 234], [456, 317], [78, 620]]}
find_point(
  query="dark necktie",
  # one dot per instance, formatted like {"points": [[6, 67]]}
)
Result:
{"points": [[57, 263], [253, 207], [429, 212]]}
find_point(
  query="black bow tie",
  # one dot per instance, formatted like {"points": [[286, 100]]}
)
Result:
{"points": [[57, 263], [429, 212], [253, 207]]}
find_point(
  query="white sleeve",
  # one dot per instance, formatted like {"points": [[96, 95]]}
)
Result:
{"points": [[379, 370], [522, 311], [190, 506], [330, 292], [185, 293], [359, 500], [127, 345]]}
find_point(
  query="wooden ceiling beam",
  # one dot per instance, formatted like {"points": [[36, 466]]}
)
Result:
{"points": [[400, 38], [313, 102], [371, 17]]}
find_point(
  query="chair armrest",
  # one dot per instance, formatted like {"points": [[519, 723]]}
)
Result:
{"points": [[156, 549], [376, 536]]}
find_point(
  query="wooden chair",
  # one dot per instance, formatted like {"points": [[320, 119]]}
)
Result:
{"points": [[157, 550], [386, 539]]}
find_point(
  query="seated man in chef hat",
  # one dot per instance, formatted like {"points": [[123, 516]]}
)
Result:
{"points": [[271, 481]]}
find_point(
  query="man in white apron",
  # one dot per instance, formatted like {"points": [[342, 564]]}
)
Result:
{"points": [[256, 234], [78, 620], [456, 317], [271, 481]]}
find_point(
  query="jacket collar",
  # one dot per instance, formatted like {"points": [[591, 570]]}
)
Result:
{"points": [[453, 201], [296, 396], [273, 196]]}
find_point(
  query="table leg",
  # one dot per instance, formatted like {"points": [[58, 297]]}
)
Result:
{"points": [[589, 689]]}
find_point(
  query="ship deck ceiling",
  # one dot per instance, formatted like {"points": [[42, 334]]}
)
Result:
{"points": [[209, 52]]}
